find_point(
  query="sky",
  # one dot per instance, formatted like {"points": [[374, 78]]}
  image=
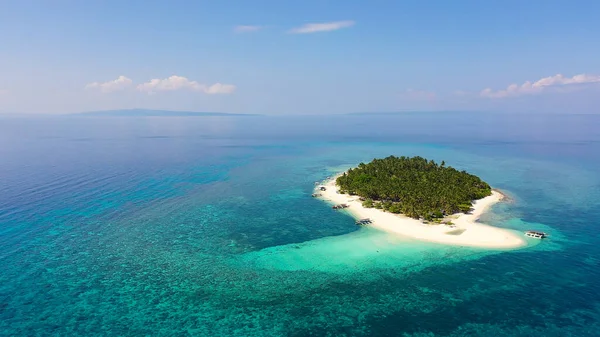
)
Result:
{"points": [[300, 57]]}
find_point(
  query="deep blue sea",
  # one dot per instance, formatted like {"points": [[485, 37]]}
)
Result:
{"points": [[204, 226]]}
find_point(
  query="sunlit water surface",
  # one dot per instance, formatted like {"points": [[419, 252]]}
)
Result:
{"points": [[205, 226]]}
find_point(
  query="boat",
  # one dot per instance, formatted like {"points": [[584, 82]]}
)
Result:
{"points": [[365, 221], [536, 234], [341, 206], [316, 195]]}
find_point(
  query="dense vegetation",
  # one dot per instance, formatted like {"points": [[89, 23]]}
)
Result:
{"points": [[415, 187]]}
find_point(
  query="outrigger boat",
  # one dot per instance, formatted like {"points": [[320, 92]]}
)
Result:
{"points": [[340, 206], [365, 221], [536, 235]]}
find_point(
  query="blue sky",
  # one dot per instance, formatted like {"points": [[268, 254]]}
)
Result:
{"points": [[300, 57]]}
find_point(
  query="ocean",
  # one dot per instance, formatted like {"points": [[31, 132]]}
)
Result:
{"points": [[205, 226]]}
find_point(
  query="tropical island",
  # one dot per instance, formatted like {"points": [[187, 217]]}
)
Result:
{"points": [[415, 187], [419, 199]]}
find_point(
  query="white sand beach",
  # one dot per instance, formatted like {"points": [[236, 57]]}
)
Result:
{"points": [[465, 232]]}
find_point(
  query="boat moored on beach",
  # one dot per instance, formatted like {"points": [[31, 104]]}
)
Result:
{"points": [[341, 206], [536, 234], [364, 221]]}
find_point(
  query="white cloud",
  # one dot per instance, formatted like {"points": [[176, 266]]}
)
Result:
{"points": [[321, 27], [246, 29], [418, 95], [219, 88], [170, 84], [3, 92], [174, 83], [555, 82], [119, 84]]}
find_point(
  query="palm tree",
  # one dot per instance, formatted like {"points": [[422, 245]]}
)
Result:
{"points": [[414, 186]]}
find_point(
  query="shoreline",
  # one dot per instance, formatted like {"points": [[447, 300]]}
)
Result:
{"points": [[467, 231]]}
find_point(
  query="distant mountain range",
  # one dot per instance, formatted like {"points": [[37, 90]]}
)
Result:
{"points": [[158, 113], [384, 113]]}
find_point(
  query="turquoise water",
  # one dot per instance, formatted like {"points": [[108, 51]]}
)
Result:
{"points": [[205, 227]]}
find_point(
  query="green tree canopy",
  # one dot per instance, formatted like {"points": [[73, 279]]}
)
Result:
{"points": [[416, 187]]}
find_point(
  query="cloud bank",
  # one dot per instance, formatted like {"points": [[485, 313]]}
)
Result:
{"points": [[175, 83], [552, 82], [321, 27], [119, 84]]}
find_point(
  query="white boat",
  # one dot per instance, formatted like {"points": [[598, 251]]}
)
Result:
{"points": [[535, 234]]}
